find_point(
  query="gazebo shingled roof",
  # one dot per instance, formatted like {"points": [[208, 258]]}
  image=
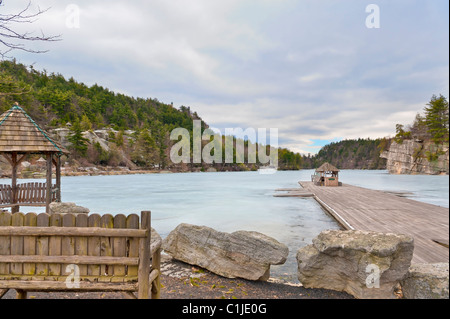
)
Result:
{"points": [[20, 133], [327, 167]]}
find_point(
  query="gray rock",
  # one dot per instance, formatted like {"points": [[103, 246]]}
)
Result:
{"points": [[363, 264], [155, 239], [93, 138], [242, 254], [426, 281], [25, 164], [67, 208], [410, 157]]}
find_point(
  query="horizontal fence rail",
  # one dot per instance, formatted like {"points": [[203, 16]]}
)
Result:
{"points": [[72, 231]]}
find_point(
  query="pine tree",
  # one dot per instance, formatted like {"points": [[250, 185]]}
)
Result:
{"points": [[144, 153], [436, 119], [79, 143]]}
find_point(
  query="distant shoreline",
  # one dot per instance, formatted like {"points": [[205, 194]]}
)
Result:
{"points": [[96, 171]]}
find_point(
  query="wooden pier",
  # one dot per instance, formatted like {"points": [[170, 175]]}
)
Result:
{"points": [[372, 210], [292, 192]]}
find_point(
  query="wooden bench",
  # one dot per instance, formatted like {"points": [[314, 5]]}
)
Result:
{"points": [[68, 252], [28, 194]]}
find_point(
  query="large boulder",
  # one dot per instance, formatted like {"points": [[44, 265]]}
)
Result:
{"points": [[242, 254], [363, 264], [426, 281], [155, 240], [67, 208]]}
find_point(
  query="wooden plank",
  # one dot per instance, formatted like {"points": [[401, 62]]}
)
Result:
{"points": [[144, 254], [19, 193], [106, 221], [64, 278], [5, 241], [29, 244], [42, 244], [30, 195], [55, 244], [26, 189], [17, 244], [81, 243], [120, 244], [72, 231], [6, 194], [32, 285], [133, 242], [74, 259], [94, 244], [68, 242], [156, 269], [34, 196]]}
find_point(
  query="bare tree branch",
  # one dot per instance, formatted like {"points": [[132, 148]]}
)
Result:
{"points": [[11, 39]]}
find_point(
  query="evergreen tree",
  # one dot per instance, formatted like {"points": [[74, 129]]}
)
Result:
{"points": [[436, 119], [79, 143], [144, 152]]}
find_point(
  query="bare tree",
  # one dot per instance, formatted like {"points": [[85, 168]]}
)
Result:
{"points": [[11, 39]]}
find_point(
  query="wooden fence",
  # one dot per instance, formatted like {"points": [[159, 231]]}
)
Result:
{"points": [[28, 194], [109, 253], [5, 194]]}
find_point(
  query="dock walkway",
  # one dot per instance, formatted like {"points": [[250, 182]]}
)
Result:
{"points": [[372, 210]]}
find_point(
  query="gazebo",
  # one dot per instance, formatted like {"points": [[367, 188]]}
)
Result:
{"points": [[20, 136], [326, 175]]}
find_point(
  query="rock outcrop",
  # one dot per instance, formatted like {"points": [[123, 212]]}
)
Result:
{"points": [[363, 264], [242, 254], [155, 240], [67, 208], [426, 281], [409, 157]]}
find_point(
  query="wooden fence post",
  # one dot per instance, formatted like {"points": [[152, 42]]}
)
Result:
{"points": [[144, 260]]}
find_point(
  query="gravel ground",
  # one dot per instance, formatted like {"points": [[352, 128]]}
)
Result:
{"points": [[182, 281]]}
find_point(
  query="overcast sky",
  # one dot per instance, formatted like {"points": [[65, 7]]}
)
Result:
{"points": [[312, 69]]}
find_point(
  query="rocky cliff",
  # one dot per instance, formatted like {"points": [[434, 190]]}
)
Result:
{"points": [[417, 157]]}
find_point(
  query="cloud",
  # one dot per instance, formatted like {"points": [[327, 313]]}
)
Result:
{"points": [[309, 68]]}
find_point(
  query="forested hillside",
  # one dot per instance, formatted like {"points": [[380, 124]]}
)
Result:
{"points": [[351, 154], [135, 132], [53, 100]]}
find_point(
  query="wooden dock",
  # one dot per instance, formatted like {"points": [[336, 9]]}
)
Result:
{"points": [[292, 192], [365, 209]]}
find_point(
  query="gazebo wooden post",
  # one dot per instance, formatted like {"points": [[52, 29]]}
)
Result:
{"points": [[49, 183], [57, 162], [14, 209]]}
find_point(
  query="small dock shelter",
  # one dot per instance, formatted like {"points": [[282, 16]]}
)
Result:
{"points": [[326, 175], [20, 136]]}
